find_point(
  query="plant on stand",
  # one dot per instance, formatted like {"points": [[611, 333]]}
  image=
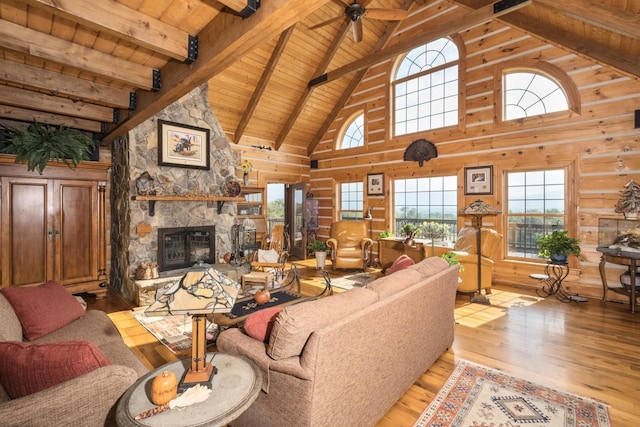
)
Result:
{"points": [[629, 203], [319, 248], [557, 246], [410, 232]]}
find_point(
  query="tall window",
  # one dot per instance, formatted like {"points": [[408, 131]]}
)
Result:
{"points": [[351, 200], [429, 203], [529, 94], [426, 88], [535, 206], [354, 134]]}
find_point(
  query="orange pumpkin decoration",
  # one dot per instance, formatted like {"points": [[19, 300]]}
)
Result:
{"points": [[262, 297], [164, 387]]}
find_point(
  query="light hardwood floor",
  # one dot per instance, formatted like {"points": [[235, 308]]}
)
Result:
{"points": [[589, 349]]}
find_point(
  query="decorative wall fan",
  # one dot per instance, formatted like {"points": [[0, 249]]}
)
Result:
{"points": [[355, 11]]}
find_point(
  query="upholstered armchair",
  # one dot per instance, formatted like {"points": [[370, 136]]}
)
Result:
{"points": [[349, 243], [465, 249]]}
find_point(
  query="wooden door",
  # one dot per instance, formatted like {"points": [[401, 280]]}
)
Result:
{"points": [[28, 232], [294, 217], [76, 231]]}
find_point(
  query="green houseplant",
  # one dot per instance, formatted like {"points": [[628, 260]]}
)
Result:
{"points": [[38, 144], [558, 246], [319, 248]]}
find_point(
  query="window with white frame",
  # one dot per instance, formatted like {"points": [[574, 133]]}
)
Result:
{"points": [[426, 88], [351, 200], [536, 206], [354, 133], [429, 203], [527, 93]]}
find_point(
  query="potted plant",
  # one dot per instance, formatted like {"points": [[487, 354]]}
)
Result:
{"points": [[410, 232], [319, 248], [452, 259], [38, 144], [629, 203], [557, 246]]}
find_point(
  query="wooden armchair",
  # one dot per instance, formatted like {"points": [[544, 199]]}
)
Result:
{"points": [[273, 253], [349, 243], [466, 250]]}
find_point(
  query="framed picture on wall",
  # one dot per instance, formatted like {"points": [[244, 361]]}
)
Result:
{"points": [[375, 184], [183, 146], [478, 180]]}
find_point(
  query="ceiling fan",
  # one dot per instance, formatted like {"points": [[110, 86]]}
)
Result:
{"points": [[354, 12]]}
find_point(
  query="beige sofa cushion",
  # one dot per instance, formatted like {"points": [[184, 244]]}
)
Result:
{"points": [[430, 266], [295, 323], [393, 283], [10, 327]]}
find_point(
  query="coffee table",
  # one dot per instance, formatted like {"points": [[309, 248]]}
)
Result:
{"points": [[234, 388]]}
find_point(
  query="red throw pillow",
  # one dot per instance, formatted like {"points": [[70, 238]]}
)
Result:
{"points": [[28, 368], [44, 308], [402, 262], [258, 325]]}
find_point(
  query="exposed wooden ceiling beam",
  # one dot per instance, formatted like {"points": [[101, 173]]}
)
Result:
{"points": [[359, 75], [629, 66], [322, 66], [609, 18], [446, 28], [44, 46], [122, 22], [221, 43], [237, 5], [10, 95], [25, 115], [262, 84], [75, 88]]}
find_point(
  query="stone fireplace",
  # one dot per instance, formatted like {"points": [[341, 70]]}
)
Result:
{"points": [[144, 223]]}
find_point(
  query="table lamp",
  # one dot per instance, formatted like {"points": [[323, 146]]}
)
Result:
{"points": [[201, 291], [479, 209]]}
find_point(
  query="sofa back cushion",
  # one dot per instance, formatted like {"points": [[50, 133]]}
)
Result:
{"points": [[295, 323], [44, 308], [430, 266], [10, 328]]}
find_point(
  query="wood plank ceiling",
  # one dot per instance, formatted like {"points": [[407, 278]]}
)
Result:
{"points": [[107, 67]]}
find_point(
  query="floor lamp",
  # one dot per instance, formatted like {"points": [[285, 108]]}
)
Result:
{"points": [[479, 209], [369, 217]]}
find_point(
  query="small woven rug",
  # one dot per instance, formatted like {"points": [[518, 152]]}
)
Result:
{"points": [[478, 396], [353, 281]]}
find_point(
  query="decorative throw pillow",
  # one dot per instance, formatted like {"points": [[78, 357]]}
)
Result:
{"points": [[267, 255], [402, 262], [44, 308], [259, 324], [28, 368]]}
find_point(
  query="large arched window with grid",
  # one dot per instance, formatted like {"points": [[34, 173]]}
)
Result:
{"points": [[528, 93], [426, 88]]}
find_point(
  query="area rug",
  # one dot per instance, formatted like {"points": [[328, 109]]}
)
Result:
{"points": [[172, 331], [248, 306], [477, 396], [353, 281]]}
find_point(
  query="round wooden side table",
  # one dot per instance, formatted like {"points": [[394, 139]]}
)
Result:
{"points": [[234, 388]]}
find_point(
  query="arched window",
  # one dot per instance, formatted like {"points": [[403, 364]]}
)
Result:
{"points": [[426, 88], [354, 134], [527, 93]]}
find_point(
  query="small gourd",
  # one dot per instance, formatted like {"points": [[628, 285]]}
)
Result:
{"points": [[262, 297], [164, 387]]}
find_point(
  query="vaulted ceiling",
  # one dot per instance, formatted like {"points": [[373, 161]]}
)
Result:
{"points": [[278, 70]]}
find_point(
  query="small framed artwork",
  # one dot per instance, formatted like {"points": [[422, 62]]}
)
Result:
{"points": [[478, 180], [183, 146], [375, 184]]}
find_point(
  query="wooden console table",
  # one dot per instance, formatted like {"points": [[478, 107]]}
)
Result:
{"points": [[615, 256], [389, 249]]}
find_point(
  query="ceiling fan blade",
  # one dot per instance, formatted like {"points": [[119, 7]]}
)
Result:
{"points": [[357, 30], [330, 21], [386, 14]]}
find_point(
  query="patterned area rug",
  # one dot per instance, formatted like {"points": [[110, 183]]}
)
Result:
{"points": [[352, 281], [477, 396], [172, 331]]}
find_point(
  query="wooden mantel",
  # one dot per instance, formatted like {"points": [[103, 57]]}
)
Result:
{"points": [[176, 198]]}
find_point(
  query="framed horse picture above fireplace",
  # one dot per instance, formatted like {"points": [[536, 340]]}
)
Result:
{"points": [[183, 146]]}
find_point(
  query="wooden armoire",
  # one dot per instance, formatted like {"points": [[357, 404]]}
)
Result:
{"points": [[53, 226]]}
